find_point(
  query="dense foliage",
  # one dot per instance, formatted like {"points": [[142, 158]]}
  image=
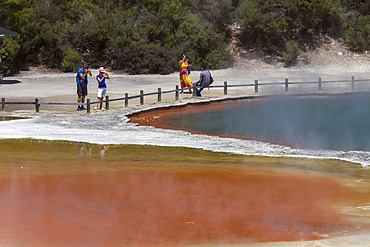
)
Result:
{"points": [[148, 36]]}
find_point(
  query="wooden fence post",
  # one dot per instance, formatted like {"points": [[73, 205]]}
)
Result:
{"points": [[126, 99], [194, 90], [319, 84], [3, 104], [225, 87], [159, 94], [88, 106], [141, 97], [256, 86], [177, 93], [286, 85], [352, 83], [107, 102], [37, 105]]}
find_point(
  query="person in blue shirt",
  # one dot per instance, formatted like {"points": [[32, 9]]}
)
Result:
{"points": [[102, 86], [82, 81], [204, 80]]}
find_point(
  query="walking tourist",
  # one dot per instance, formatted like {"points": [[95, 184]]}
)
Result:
{"points": [[82, 82], [185, 80], [102, 87]]}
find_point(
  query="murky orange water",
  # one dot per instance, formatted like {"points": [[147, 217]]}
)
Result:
{"points": [[59, 194]]}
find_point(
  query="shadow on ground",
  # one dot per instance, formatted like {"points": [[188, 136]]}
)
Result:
{"points": [[10, 82]]}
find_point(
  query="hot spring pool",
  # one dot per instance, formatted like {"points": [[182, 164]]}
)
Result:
{"points": [[80, 194], [330, 123]]}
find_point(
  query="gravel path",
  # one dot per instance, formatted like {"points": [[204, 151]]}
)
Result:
{"points": [[60, 87]]}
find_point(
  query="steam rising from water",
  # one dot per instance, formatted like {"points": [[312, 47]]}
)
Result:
{"points": [[329, 123]]}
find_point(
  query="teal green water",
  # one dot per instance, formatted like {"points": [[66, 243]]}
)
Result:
{"points": [[329, 123]]}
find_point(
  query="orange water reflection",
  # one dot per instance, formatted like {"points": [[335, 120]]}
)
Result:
{"points": [[51, 195]]}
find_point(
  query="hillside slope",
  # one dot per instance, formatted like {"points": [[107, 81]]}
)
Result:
{"points": [[331, 54]]}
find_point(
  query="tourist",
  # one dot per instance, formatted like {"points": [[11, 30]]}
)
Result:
{"points": [[102, 86], [185, 80], [204, 80], [82, 82]]}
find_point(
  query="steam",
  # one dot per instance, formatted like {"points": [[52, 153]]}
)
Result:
{"points": [[329, 123]]}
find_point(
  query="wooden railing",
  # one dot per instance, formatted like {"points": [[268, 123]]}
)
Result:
{"points": [[176, 91]]}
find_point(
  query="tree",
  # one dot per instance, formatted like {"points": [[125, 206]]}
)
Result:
{"points": [[291, 54], [9, 49], [358, 34]]}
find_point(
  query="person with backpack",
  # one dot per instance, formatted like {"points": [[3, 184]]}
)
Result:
{"points": [[204, 81]]}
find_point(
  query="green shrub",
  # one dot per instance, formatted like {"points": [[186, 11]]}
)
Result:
{"points": [[9, 49], [216, 58], [200, 41], [72, 60], [358, 34], [291, 55], [138, 58], [162, 60]]}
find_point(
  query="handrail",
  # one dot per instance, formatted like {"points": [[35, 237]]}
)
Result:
{"points": [[141, 96]]}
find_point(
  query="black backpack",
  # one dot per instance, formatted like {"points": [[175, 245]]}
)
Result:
{"points": [[211, 78]]}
